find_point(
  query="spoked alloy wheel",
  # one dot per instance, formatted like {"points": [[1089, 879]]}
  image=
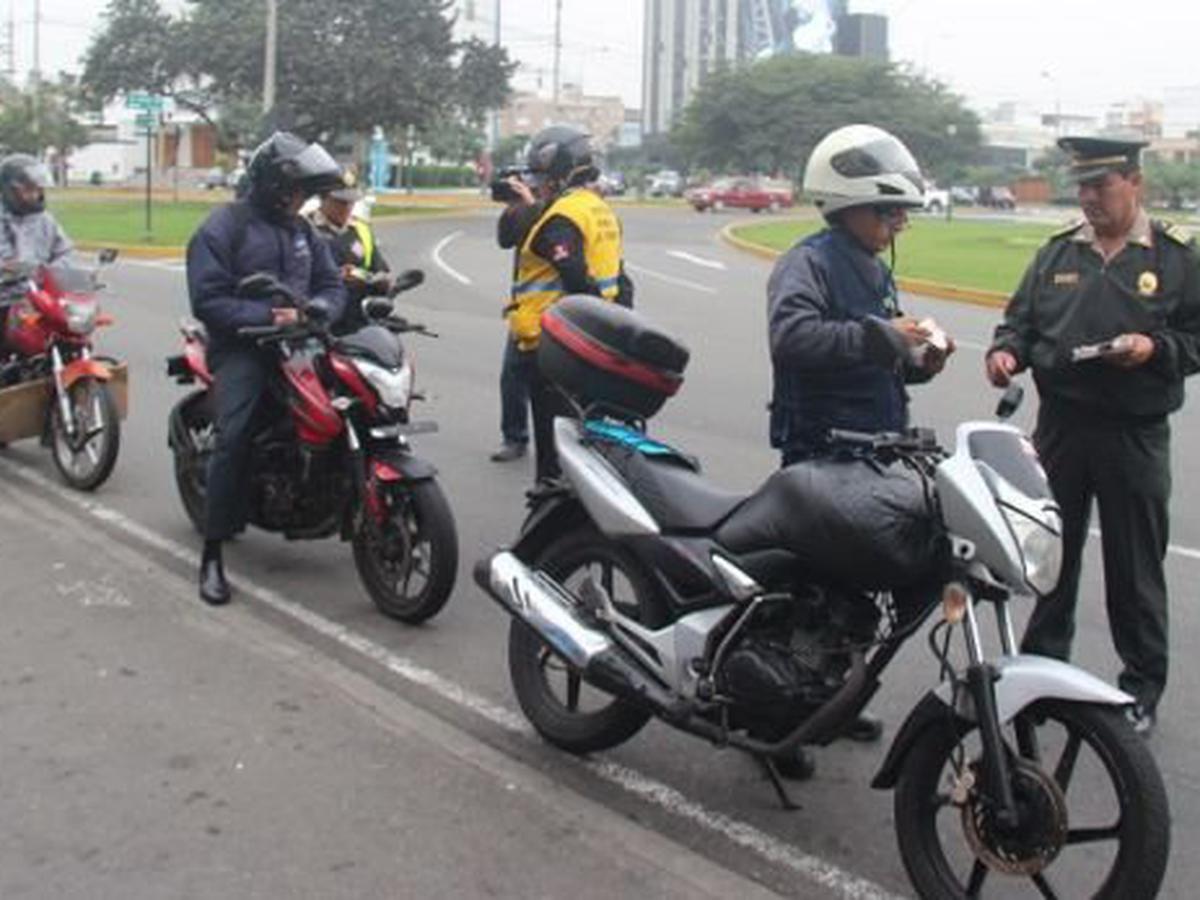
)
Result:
{"points": [[86, 458], [409, 564], [565, 711], [1093, 811]]}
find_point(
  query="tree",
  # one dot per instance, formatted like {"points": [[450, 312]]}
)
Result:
{"points": [[341, 67], [22, 130], [768, 117], [1172, 181]]}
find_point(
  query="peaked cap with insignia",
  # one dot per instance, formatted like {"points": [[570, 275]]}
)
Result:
{"points": [[1092, 157]]}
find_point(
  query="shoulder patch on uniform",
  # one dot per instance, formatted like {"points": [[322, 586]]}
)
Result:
{"points": [[1070, 228], [1177, 233]]}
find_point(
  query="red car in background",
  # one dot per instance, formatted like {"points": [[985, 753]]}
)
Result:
{"points": [[740, 193]]}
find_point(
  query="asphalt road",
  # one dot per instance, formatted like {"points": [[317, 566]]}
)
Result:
{"points": [[714, 802]]}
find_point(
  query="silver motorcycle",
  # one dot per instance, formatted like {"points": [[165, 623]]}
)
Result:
{"points": [[765, 621]]}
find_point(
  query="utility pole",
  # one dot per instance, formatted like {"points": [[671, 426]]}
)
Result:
{"points": [[557, 47], [268, 98], [494, 131], [36, 74], [9, 55]]}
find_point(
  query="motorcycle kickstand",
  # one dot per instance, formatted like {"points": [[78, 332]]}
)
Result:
{"points": [[772, 770]]}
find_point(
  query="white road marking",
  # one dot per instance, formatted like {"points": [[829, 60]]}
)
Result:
{"points": [[442, 264], [698, 260], [813, 868], [669, 279], [168, 265]]}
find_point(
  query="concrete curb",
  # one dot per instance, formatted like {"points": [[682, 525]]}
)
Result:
{"points": [[976, 296]]}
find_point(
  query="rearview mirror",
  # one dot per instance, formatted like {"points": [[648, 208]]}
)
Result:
{"points": [[1010, 401], [407, 280]]}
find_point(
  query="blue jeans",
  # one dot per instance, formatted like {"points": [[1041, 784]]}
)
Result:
{"points": [[515, 375]]}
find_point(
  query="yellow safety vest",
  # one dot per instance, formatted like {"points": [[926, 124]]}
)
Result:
{"points": [[538, 284]]}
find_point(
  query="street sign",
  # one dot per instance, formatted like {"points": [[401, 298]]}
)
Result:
{"points": [[144, 101], [147, 120]]}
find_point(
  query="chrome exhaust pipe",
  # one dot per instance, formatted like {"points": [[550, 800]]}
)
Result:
{"points": [[546, 607]]}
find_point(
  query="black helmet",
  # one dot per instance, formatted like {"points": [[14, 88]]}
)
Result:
{"points": [[21, 168], [563, 155], [282, 163]]}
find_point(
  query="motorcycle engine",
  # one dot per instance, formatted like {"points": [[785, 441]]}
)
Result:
{"points": [[793, 657]]}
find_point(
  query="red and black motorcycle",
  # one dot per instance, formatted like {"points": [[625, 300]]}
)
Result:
{"points": [[51, 384], [331, 452]]}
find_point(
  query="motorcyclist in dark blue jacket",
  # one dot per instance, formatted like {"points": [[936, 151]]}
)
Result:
{"points": [[829, 295], [841, 350], [261, 232]]}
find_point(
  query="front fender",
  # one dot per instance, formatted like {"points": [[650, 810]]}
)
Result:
{"points": [[387, 464], [85, 368], [1021, 681]]}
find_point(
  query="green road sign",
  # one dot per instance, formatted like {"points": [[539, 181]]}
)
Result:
{"points": [[144, 101], [146, 120]]}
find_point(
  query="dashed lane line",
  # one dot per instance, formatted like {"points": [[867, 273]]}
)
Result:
{"points": [[813, 868], [698, 260], [670, 279]]}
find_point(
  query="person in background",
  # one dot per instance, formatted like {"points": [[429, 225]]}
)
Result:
{"points": [[1107, 317]]}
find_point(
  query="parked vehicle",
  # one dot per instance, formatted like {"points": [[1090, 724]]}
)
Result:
{"points": [[332, 454], [54, 387], [612, 184], [962, 195], [936, 200], [739, 193], [214, 178], [665, 183], [640, 590], [997, 197]]}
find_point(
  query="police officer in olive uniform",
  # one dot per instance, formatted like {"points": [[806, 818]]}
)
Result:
{"points": [[1108, 319], [575, 247], [355, 250]]}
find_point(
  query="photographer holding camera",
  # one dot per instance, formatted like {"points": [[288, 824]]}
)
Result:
{"points": [[522, 209], [569, 241]]}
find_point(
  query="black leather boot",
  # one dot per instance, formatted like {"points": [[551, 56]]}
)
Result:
{"points": [[214, 589]]}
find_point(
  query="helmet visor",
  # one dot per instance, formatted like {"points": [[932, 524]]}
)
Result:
{"points": [[886, 156]]}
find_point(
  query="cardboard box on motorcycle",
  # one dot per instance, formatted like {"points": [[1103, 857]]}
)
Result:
{"points": [[24, 407]]}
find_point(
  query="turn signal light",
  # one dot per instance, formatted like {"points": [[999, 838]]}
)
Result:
{"points": [[955, 598]]}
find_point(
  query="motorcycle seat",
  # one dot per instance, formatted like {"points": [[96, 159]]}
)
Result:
{"points": [[673, 491]]}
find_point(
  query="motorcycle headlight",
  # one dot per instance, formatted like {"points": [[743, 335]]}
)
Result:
{"points": [[81, 316], [1040, 543], [394, 386]]}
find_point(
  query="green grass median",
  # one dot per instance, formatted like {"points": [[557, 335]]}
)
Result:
{"points": [[123, 221], [971, 253]]}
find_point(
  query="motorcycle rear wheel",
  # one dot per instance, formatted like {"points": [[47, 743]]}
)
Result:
{"points": [[1095, 820], [564, 710], [408, 569], [86, 460]]}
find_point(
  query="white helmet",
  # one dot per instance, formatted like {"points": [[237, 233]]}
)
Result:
{"points": [[861, 165]]}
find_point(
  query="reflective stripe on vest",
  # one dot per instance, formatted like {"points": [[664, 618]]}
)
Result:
{"points": [[367, 238], [537, 282]]}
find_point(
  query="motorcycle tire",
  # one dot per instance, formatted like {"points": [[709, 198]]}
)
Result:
{"points": [[191, 462], [1043, 851], [86, 464], [562, 720], [418, 538]]}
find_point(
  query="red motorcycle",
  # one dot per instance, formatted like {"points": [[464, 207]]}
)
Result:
{"points": [[53, 386], [331, 453]]}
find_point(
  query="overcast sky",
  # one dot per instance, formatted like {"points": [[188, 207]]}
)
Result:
{"points": [[1080, 54]]}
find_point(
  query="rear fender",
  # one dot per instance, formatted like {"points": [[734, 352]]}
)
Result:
{"points": [[85, 368], [1021, 681], [548, 520]]}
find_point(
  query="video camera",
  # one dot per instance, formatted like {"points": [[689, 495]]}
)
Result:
{"points": [[502, 191]]}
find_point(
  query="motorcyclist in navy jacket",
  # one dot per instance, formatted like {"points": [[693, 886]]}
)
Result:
{"points": [[262, 232], [831, 301]]}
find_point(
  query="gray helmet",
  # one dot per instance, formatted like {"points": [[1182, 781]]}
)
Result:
{"points": [[283, 163], [562, 155], [21, 168], [861, 165]]}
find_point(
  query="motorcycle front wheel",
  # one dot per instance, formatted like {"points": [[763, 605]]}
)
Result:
{"points": [[563, 709], [86, 457], [1093, 812], [408, 564], [191, 460]]}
